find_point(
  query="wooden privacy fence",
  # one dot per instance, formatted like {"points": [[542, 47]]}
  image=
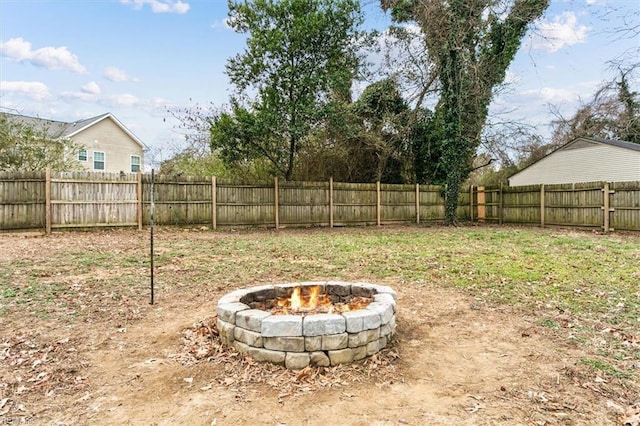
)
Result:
{"points": [[605, 205], [56, 200], [224, 202]]}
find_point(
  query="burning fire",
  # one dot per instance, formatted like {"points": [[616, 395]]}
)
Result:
{"points": [[312, 300]]}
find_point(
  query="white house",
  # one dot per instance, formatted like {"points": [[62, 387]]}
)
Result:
{"points": [[107, 145], [584, 160]]}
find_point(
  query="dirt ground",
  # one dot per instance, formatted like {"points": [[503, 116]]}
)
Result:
{"points": [[456, 360]]}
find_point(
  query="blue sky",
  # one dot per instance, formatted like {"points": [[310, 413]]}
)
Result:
{"points": [[74, 59]]}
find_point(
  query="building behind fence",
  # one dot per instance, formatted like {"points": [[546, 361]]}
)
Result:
{"points": [[57, 200]]}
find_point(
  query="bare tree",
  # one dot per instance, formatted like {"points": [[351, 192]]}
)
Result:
{"points": [[612, 113]]}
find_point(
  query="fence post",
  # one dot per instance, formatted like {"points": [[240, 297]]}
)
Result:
{"points": [[378, 203], [471, 203], [214, 213], [607, 207], [542, 206], [331, 202], [47, 200], [500, 205], [139, 195], [417, 203], [276, 207], [482, 204]]}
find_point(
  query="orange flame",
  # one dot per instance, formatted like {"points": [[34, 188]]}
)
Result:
{"points": [[295, 301], [306, 299], [312, 300]]}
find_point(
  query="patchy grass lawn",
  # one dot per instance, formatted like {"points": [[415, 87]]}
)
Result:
{"points": [[580, 288]]}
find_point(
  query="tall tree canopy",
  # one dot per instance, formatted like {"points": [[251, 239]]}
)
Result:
{"points": [[471, 43], [361, 141], [298, 53]]}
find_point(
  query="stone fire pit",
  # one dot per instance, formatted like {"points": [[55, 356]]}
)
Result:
{"points": [[352, 321]]}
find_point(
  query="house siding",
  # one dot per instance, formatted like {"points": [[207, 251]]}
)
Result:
{"points": [[584, 164], [106, 136]]}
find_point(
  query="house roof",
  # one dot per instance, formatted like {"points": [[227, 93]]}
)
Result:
{"points": [[619, 144], [613, 142], [62, 130]]}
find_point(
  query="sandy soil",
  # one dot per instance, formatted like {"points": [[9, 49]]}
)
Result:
{"points": [[456, 360]]}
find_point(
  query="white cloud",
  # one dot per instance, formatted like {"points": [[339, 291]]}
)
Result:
{"points": [[112, 101], [117, 75], [91, 88], [124, 99], [79, 96], [32, 89], [561, 32], [52, 58], [551, 95], [222, 24], [160, 6]]}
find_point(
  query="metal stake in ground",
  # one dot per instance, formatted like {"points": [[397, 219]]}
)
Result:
{"points": [[151, 228]]}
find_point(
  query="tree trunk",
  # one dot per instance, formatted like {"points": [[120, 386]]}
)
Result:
{"points": [[292, 152]]}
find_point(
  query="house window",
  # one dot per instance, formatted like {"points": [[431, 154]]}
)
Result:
{"points": [[135, 164], [82, 155], [98, 160]]}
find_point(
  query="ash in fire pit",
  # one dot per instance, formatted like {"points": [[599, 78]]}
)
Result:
{"points": [[312, 323]]}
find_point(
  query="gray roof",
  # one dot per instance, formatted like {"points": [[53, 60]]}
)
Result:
{"points": [[612, 142], [620, 144], [62, 130]]}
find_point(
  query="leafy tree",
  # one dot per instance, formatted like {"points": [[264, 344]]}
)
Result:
{"points": [[25, 146], [383, 114], [471, 44], [363, 141], [298, 53]]}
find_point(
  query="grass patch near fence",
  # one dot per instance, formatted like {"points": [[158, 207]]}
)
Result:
{"points": [[581, 285]]}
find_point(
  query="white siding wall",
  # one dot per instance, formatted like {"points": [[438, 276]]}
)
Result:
{"points": [[106, 136], [588, 164]]}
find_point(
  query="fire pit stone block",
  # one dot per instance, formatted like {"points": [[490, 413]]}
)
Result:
{"points": [[234, 296], [297, 361], [362, 290], [321, 324], [388, 329], [359, 353], [338, 289], [371, 321], [251, 319], [226, 331], [320, 359], [250, 338], [266, 355], [282, 325], [335, 341], [385, 298], [364, 337], [376, 345], [341, 356], [313, 343], [383, 309], [227, 311], [355, 320], [285, 344], [383, 289]]}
